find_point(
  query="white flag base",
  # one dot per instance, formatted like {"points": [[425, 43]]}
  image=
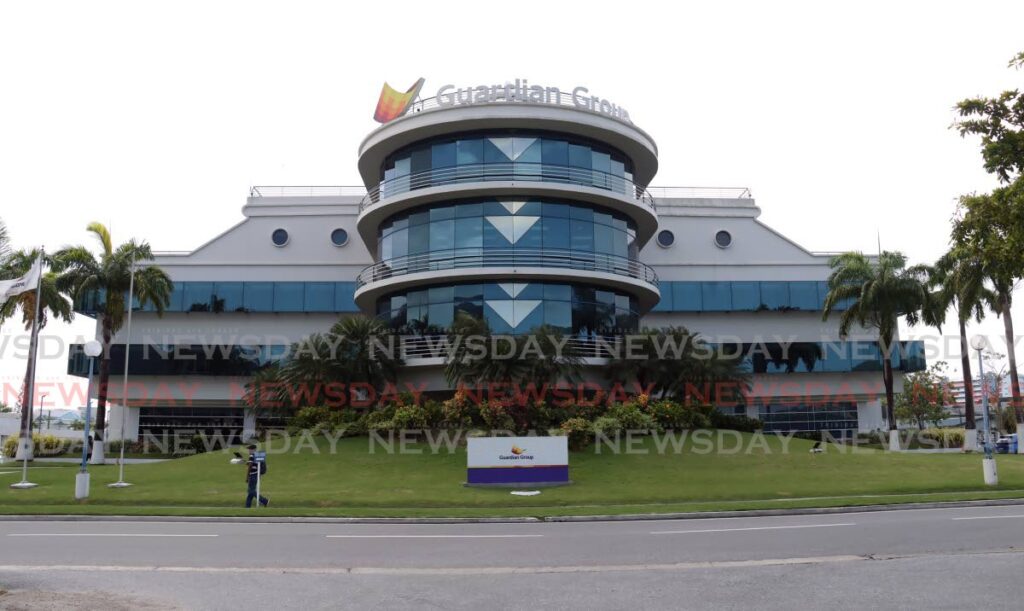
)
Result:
{"points": [[23, 485], [118, 485]]}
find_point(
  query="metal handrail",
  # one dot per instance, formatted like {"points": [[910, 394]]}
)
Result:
{"points": [[582, 346], [513, 170], [520, 257], [700, 192], [306, 191]]}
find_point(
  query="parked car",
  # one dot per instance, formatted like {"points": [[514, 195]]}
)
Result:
{"points": [[1007, 444]]}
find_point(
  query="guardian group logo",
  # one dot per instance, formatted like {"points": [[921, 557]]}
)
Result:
{"points": [[393, 103]]}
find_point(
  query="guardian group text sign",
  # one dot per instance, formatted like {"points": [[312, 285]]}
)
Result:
{"points": [[517, 461]]}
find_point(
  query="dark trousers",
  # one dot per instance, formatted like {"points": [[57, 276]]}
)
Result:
{"points": [[252, 494]]}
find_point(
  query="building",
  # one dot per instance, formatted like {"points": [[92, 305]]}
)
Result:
{"points": [[519, 205]]}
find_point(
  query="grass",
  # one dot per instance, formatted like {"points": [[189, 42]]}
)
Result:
{"points": [[355, 482]]}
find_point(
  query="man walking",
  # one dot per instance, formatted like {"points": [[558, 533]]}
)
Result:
{"points": [[253, 471]]}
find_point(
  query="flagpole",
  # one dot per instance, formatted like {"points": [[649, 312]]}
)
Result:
{"points": [[30, 391], [120, 483]]}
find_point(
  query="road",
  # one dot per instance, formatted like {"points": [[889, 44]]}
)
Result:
{"points": [[936, 558]]}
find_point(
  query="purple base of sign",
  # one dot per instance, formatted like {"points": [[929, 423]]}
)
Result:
{"points": [[521, 475]]}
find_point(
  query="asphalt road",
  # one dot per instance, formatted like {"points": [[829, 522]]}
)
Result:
{"points": [[937, 558]]}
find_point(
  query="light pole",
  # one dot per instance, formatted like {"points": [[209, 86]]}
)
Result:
{"points": [[42, 405], [92, 349], [988, 464], [120, 483]]}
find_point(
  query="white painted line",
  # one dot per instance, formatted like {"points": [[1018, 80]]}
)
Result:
{"points": [[991, 517], [433, 536], [100, 535], [485, 570], [725, 530]]}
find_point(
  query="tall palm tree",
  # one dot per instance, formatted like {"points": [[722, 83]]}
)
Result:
{"points": [[960, 278], [5, 243], [107, 278], [879, 293], [52, 304]]}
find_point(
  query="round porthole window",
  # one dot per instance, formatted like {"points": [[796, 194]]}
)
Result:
{"points": [[723, 239], [279, 237], [666, 238], [339, 237]]}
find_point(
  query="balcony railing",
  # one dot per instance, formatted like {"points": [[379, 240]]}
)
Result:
{"points": [[509, 171], [529, 257], [700, 192], [306, 191]]}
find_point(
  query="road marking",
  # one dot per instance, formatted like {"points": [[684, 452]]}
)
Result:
{"points": [[101, 535], [991, 517], [433, 536], [494, 570], [725, 530]]}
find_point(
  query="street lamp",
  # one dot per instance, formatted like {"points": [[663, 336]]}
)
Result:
{"points": [[92, 349], [988, 464]]}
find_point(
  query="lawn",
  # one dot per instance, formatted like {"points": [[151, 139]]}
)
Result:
{"points": [[355, 482]]}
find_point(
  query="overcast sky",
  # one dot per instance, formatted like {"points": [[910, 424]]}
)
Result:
{"points": [[158, 120]]}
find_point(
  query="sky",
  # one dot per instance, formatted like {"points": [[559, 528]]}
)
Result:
{"points": [[156, 118]]}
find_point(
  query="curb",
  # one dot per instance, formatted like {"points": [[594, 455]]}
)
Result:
{"points": [[638, 517]]}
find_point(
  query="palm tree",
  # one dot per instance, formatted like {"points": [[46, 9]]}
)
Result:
{"points": [[879, 293], [52, 304], [960, 279], [5, 243], [677, 362], [83, 275], [316, 366], [530, 363]]}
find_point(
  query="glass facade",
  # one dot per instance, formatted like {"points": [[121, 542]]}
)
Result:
{"points": [[256, 296], [829, 357], [797, 415], [506, 155], [474, 226], [512, 307], [742, 296]]}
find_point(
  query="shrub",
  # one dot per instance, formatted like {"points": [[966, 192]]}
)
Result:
{"points": [[459, 412], [579, 431], [495, 416], [43, 445], [308, 418], [946, 438], [408, 417], [631, 417], [380, 418], [607, 426], [669, 416]]}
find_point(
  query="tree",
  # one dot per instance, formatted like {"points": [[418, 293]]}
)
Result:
{"points": [[538, 360], [990, 229], [315, 368], [52, 304], [924, 397], [878, 293], [960, 279], [1000, 123], [106, 278], [679, 363], [5, 243]]}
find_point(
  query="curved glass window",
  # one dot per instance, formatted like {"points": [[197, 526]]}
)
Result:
{"points": [[512, 307], [506, 155], [475, 226]]}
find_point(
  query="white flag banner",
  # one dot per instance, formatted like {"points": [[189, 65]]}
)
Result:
{"points": [[28, 282]]}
